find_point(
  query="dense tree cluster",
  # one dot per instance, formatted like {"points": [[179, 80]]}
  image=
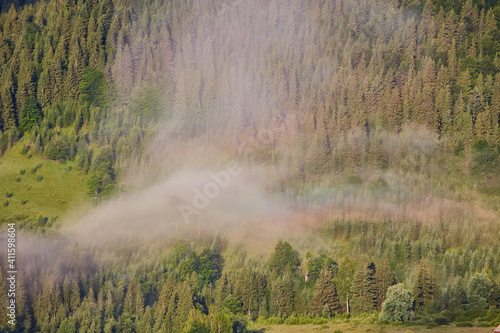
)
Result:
{"points": [[183, 288], [109, 68], [349, 84]]}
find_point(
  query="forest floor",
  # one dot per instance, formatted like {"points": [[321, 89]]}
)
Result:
{"points": [[52, 189], [344, 328]]}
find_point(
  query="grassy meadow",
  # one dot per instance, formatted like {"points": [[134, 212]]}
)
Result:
{"points": [[35, 186]]}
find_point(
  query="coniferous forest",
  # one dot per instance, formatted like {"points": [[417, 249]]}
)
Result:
{"points": [[250, 166]]}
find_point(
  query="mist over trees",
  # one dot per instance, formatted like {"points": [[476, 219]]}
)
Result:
{"points": [[385, 114]]}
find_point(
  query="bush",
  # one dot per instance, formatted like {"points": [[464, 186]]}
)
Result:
{"points": [[338, 330], [57, 150], [431, 325], [18, 179], [319, 321], [274, 321], [33, 170], [451, 315], [292, 321], [24, 150], [9, 194], [6, 203], [464, 324], [484, 324], [22, 171], [471, 315], [23, 202], [441, 320], [39, 178]]}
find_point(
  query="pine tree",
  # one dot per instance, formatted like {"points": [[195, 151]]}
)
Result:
{"points": [[423, 289], [364, 289], [385, 278], [183, 307], [325, 293], [344, 280], [283, 257]]}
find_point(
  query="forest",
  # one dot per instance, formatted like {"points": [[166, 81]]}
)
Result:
{"points": [[368, 136]]}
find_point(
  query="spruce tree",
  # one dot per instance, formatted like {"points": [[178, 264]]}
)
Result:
{"points": [[364, 289], [325, 293], [423, 289]]}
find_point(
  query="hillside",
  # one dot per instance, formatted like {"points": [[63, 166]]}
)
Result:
{"points": [[220, 166]]}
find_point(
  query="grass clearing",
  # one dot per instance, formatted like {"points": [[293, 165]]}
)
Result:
{"points": [[39, 186], [352, 328]]}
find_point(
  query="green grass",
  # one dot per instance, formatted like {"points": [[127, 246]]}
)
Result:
{"points": [[330, 328], [52, 190]]}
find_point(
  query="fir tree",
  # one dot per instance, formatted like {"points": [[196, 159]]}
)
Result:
{"points": [[325, 293]]}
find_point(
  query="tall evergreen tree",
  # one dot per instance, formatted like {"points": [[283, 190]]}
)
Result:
{"points": [[325, 293]]}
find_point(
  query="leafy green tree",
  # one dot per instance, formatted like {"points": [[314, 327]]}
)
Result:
{"points": [[283, 257], [221, 323], [100, 184], [314, 265], [398, 305], [479, 291]]}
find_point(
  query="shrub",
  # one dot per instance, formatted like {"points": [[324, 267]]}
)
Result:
{"points": [[338, 330], [441, 320], [33, 170], [23, 202], [29, 155], [464, 324], [431, 325], [451, 315], [18, 179], [319, 321], [292, 321], [484, 324], [57, 150], [471, 315], [39, 178], [22, 171], [9, 194], [274, 321], [6, 203]]}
